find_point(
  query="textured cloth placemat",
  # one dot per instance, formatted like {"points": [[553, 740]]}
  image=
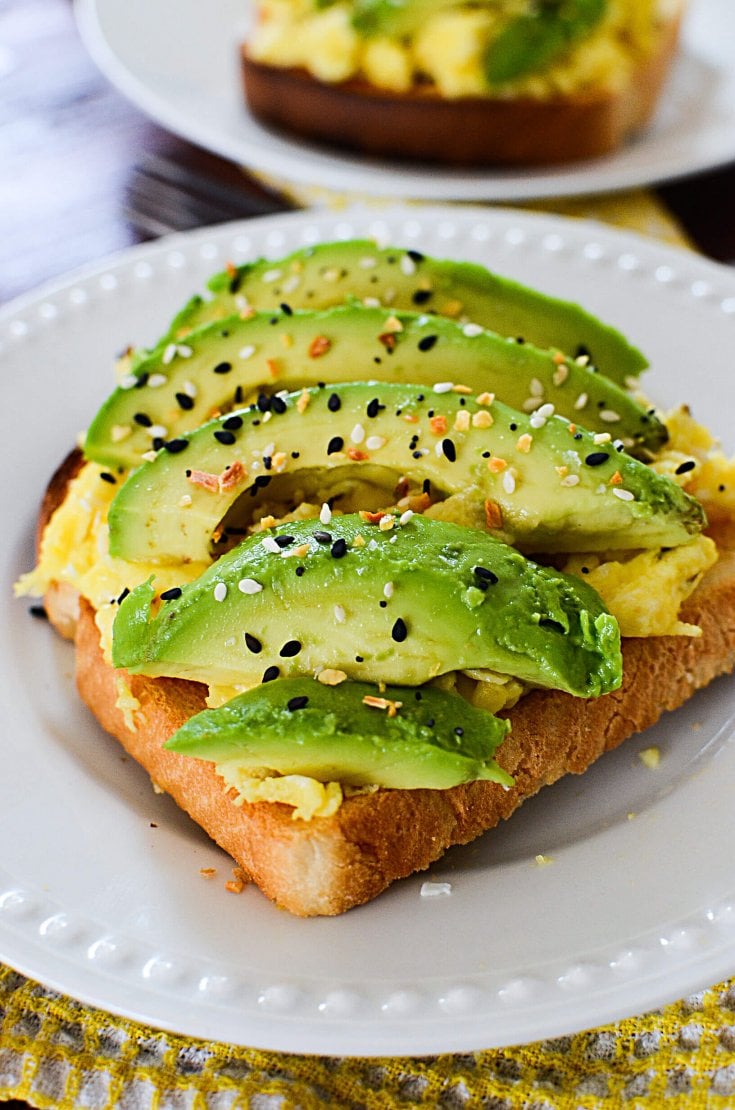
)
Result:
{"points": [[57, 1053]]}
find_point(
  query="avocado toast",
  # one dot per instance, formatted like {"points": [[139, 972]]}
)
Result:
{"points": [[348, 595]]}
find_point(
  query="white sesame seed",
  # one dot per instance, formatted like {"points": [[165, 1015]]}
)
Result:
{"points": [[546, 410], [325, 514], [405, 517], [269, 450], [183, 350], [623, 494], [129, 381], [532, 403], [357, 434], [367, 263], [119, 432], [249, 586], [156, 380], [561, 375], [443, 387], [220, 591], [472, 330], [371, 302], [169, 354], [537, 421], [272, 275], [292, 283], [189, 389], [374, 443], [438, 449], [157, 431], [601, 437], [608, 416], [408, 266], [509, 481], [248, 351], [536, 387], [185, 501], [270, 545], [570, 480], [581, 401], [388, 589], [339, 614]]}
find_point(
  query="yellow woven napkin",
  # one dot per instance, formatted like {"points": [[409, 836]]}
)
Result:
{"points": [[55, 1052]]}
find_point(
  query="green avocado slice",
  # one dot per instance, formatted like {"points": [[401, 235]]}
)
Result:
{"points": [[328, 274], [538, 481], [401, 605], [221, 365], [533, 41], [297, 726]]}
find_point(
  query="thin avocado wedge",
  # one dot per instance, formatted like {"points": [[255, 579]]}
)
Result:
{"points": [[330, 273], [537, 481], [221, 365], [348, 597], [536, 39], [398, 738]]}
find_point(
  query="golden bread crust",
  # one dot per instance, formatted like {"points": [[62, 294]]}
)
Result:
{"points": [[467, 131]]}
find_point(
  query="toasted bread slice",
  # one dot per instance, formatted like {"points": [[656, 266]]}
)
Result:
{"points": [[467, 131], [327, 865]]}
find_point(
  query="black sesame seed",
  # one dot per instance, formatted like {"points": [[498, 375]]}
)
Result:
{"points": [[222, 368], [585, 570], [142, 380], [262, 481], [298, 703], [123, 595], [430, 723], [485, 574], [596, 458], [184, 401], [373, 408], [290, 648], [427, 342], [172, 594], [264, 402], [684, 467], [299, 571], [176, 446], [238, 395], [278, 405], [421, 296], [286, 309], [107, 477], [334, 404], [227, 438], [419, 397], [295, 454], [335, 444], [322, 537], [359, 659], [513, 427], [459, 731], [578, 435], [157, 443], [486, 454], [267, 462], [284, 541], [38, 612], [450, 451], [143, 419], [417, 454], [270, 673], [415, 256], [235, 283], [383, 604], [339, 548], [253, 643], [418, 695], [426, 487], [399, 631], [232, 423]]}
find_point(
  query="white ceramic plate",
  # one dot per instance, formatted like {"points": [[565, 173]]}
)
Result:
{"points": [[100, 891], [177, 60]]}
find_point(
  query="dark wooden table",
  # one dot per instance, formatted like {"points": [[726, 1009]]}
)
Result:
{"points": [[70, 145]]}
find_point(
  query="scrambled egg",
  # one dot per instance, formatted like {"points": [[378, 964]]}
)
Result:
{"points": [[449, 46]]}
